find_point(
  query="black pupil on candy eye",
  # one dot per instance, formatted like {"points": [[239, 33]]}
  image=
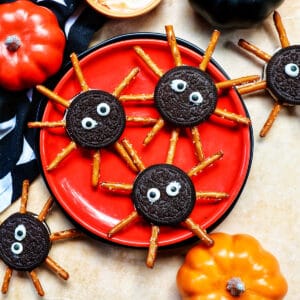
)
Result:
{"points": [[195, 97], [293, 68], [88, 124], [180, 86], [16, 246], [152, 194], [19, 233]]}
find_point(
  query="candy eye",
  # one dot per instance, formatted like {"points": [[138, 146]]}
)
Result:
{"points": [[20, 232], [292, 70], [153, 194], [103, 109], [16, 248], [173, 188], [88, 123], [196, 98], [178, 85]]}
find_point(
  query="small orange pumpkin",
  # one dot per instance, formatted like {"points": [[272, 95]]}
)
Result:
{"points": [[235, 267]]}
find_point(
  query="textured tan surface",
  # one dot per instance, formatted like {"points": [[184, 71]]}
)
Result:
{"points": [[268, 208]]}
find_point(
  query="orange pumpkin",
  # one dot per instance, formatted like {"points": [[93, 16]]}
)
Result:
{"points": [[235, 267]]}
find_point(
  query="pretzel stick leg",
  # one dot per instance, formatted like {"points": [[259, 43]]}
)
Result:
{"points": [[36, 283], [247, 89], [232, 116], [118, 90], [210, 50], [281, 30], [205, 163], [138, 97], [123, 223], [197, 143], [24, 196], [254, 50], [233, 82], [46, 124], [216, 195], [155, 129], [125, 156], [65, 234], [199, 232], [172, 146], [173, 45], [6, 280], [152, 252], [133, 154], [61, 155], [117, 187], [45, 210], [52, 96], [272, 117], [96, 168], [53, 266], [141, 120], [149, 62], [78, 72]]}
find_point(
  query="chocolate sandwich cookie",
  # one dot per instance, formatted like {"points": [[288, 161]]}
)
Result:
{"points": [[163, 194], [283, 75], [95, 119], [185, 96], [24, 242]]}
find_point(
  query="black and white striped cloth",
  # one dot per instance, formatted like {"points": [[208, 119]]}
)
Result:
{"points": [[17, 157]]}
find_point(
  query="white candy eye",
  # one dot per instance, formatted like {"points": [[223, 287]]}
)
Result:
{"points": [[88, 123], [178, 85], [173, 188], [153, 194], [16, 248], [196, 98], [20, 232], [103, 109], [292, 70]]}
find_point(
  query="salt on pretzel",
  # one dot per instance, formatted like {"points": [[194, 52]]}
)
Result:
{"points": [[173, 45]]}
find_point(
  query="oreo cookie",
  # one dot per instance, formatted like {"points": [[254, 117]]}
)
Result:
{"points": [[95, 119], [283, 75], [185, 96], [24, 242], [163, 194]]}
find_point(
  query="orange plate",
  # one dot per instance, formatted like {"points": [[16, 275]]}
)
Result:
{"points": [[97, 210]]}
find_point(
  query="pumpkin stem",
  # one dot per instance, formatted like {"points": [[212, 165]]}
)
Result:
{"points": [[235, 286], [13, 43]]}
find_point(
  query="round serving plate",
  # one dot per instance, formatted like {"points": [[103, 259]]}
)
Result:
{"points": [[97, 210]]}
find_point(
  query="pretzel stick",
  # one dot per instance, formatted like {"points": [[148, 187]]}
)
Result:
{"points": [[96, 168], [197, 143], [152, 252], [53, 96], [36, 283], [231, 116], [78, 72], [133, 154], [210, 50], [6, 280], [254, 50], [205, 163], [24, 196], [45, 210], [65, 234], [46, 124], [268, 124], [233, 82], [61, 155], [118, 90], [123, 223], [124, 155], [281, 30], [56, 268], [216, 195], [149, 62], [155, 129], [261, 85], [138, 97], [141, 120], [173, 45], [172, 146], [199, 232], [113, 187]]}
